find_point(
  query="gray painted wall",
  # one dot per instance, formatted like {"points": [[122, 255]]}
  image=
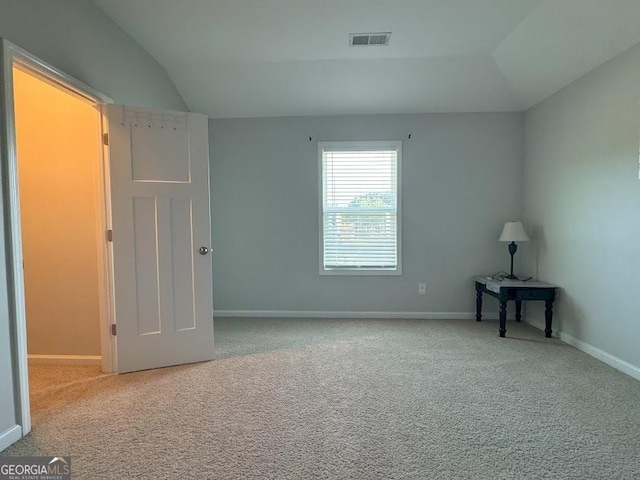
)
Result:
{"points": [[582, 205], [76, 37], [462, 178]]}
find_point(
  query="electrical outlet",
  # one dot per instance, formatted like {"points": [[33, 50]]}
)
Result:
{"points": [[422, 289]]}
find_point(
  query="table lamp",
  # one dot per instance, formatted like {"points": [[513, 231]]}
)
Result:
{"points": [[513, 232]]}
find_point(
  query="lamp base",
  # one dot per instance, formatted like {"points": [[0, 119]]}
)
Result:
{"points": [[513, 248]]}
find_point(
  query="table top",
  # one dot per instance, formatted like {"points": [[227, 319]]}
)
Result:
{"points": [[495, 285]]}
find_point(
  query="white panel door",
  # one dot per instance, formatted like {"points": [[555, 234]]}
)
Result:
{"points": [[159, 169]]}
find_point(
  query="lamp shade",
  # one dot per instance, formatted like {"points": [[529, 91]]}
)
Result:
{"points": [[513, 232]]}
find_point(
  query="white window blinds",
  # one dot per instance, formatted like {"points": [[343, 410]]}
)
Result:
{"points": [[360, 220]]}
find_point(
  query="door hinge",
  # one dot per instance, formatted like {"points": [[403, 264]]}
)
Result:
{"points": [[113, 329], [109, 235], [105, 138]]}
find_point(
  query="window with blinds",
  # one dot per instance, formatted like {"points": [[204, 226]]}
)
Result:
{"points": [[360, 217]]}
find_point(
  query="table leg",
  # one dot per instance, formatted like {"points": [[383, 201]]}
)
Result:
{"points": [[478, 304], [548, 318], [503, 317], [518, 310]]}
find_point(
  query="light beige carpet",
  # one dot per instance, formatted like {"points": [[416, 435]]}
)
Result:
{"points": [[359, 399]]}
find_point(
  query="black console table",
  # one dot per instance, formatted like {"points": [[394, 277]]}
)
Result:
{"points": [[518, 291]]}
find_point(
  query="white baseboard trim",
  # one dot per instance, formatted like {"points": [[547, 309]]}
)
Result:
{"points": [[334, 314], [38, 359], [615, 362], [9, 436]]}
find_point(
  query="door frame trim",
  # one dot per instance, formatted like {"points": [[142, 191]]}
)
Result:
{"points": [[12, 55]]}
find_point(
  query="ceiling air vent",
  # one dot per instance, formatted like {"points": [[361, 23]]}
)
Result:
{"points": [[379, 39]]}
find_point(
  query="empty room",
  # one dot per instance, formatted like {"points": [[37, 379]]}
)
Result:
{"points": [[299, 239]]}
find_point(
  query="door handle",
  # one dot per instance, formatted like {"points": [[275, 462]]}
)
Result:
{"points": [[203, 250]]}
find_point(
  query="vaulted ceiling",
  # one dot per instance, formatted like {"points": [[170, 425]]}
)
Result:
{"points": [[257, 58]]}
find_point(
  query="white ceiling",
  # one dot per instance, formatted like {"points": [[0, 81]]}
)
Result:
{"points": [[258, 58]]}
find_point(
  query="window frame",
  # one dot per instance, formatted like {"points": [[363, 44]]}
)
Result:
{"points": [[361, 146]]}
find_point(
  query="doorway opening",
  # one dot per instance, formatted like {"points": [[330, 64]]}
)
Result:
{"points": [[58, 156], [58, 210]]}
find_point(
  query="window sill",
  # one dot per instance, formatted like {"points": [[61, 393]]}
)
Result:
{"points": [[360, 272]]}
